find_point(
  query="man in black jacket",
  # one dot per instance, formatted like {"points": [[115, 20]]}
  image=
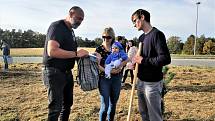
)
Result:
{"points": [[154, 56]]}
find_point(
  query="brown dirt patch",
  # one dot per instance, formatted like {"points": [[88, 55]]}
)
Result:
{"points": [[191, 96]]}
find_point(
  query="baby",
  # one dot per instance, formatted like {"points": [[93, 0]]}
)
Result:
{"points": [[115, 58]]}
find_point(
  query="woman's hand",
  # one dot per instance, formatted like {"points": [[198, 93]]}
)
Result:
{"points": [[116, 70], [102, 69], [98, 57]]}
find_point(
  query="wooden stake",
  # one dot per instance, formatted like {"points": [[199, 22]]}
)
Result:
{"points": [[134, 83]]}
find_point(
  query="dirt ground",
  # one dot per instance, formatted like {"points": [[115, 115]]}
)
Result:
{"points": [[23, 97]]}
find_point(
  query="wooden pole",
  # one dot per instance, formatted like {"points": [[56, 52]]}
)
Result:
{"points": [[134, 83]]}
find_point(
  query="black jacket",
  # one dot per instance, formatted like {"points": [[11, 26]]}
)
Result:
{"points": [[5, 49], [155, 55]]}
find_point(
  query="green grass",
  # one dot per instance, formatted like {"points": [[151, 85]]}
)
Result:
{"points": [[33, 52], [37, 52]]}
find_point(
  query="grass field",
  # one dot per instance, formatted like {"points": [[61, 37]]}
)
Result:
{"points": [[39, 51], [24, 98], [34, 51]]}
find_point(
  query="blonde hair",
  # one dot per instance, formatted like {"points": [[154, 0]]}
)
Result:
{"points": [[109, 31]]}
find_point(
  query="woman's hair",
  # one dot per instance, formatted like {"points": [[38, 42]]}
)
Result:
{"points": [[110, 32], [132, 42]]}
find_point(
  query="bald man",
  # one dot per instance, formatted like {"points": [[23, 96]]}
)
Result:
{"points": [[60, 53]]}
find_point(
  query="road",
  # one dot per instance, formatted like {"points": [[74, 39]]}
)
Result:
{"points": [[194, 62], [178, 62]]}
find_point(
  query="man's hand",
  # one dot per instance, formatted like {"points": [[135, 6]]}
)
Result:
{"points": [[138, 59], [82, 53]]}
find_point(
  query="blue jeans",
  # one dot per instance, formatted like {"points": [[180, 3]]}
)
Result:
{"points": [[60, 93], [109, 92], [5, 62], [149, 100]]}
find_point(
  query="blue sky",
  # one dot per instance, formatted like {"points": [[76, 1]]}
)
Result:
{"points": [[173, 17]]}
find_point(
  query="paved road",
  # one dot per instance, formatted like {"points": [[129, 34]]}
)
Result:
{"points": [[182, 62], [194, 62]]}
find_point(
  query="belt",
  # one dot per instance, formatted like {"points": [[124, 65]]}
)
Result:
{"points": [[56, 69], [116, 74], [102, 74]]}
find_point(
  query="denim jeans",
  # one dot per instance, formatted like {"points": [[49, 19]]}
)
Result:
{"points": [[60, 93], [5, 62], [149, 100], [109, 92]]}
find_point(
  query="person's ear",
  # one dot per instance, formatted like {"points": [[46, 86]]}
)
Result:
{"points": [[142, 17]]}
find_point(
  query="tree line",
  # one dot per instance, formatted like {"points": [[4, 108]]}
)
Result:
{"points": [[204, 45], [31, 39]]}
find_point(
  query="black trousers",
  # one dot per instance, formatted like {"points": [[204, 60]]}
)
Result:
{"points": [[60, 93], [126, 74]]}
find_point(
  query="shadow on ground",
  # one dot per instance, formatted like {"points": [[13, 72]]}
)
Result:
{"points": [[16, 74], [193, 88], [127, 86]]}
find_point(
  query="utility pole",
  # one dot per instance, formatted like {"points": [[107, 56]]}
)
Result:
{"points": [[197, 10]]}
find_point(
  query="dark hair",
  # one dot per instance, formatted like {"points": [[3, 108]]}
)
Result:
{"points": [[141, 12], [119, 38], [132, 41], [76, 8]]}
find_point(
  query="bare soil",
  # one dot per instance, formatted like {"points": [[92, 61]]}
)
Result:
{"points": [[23, 97]]}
